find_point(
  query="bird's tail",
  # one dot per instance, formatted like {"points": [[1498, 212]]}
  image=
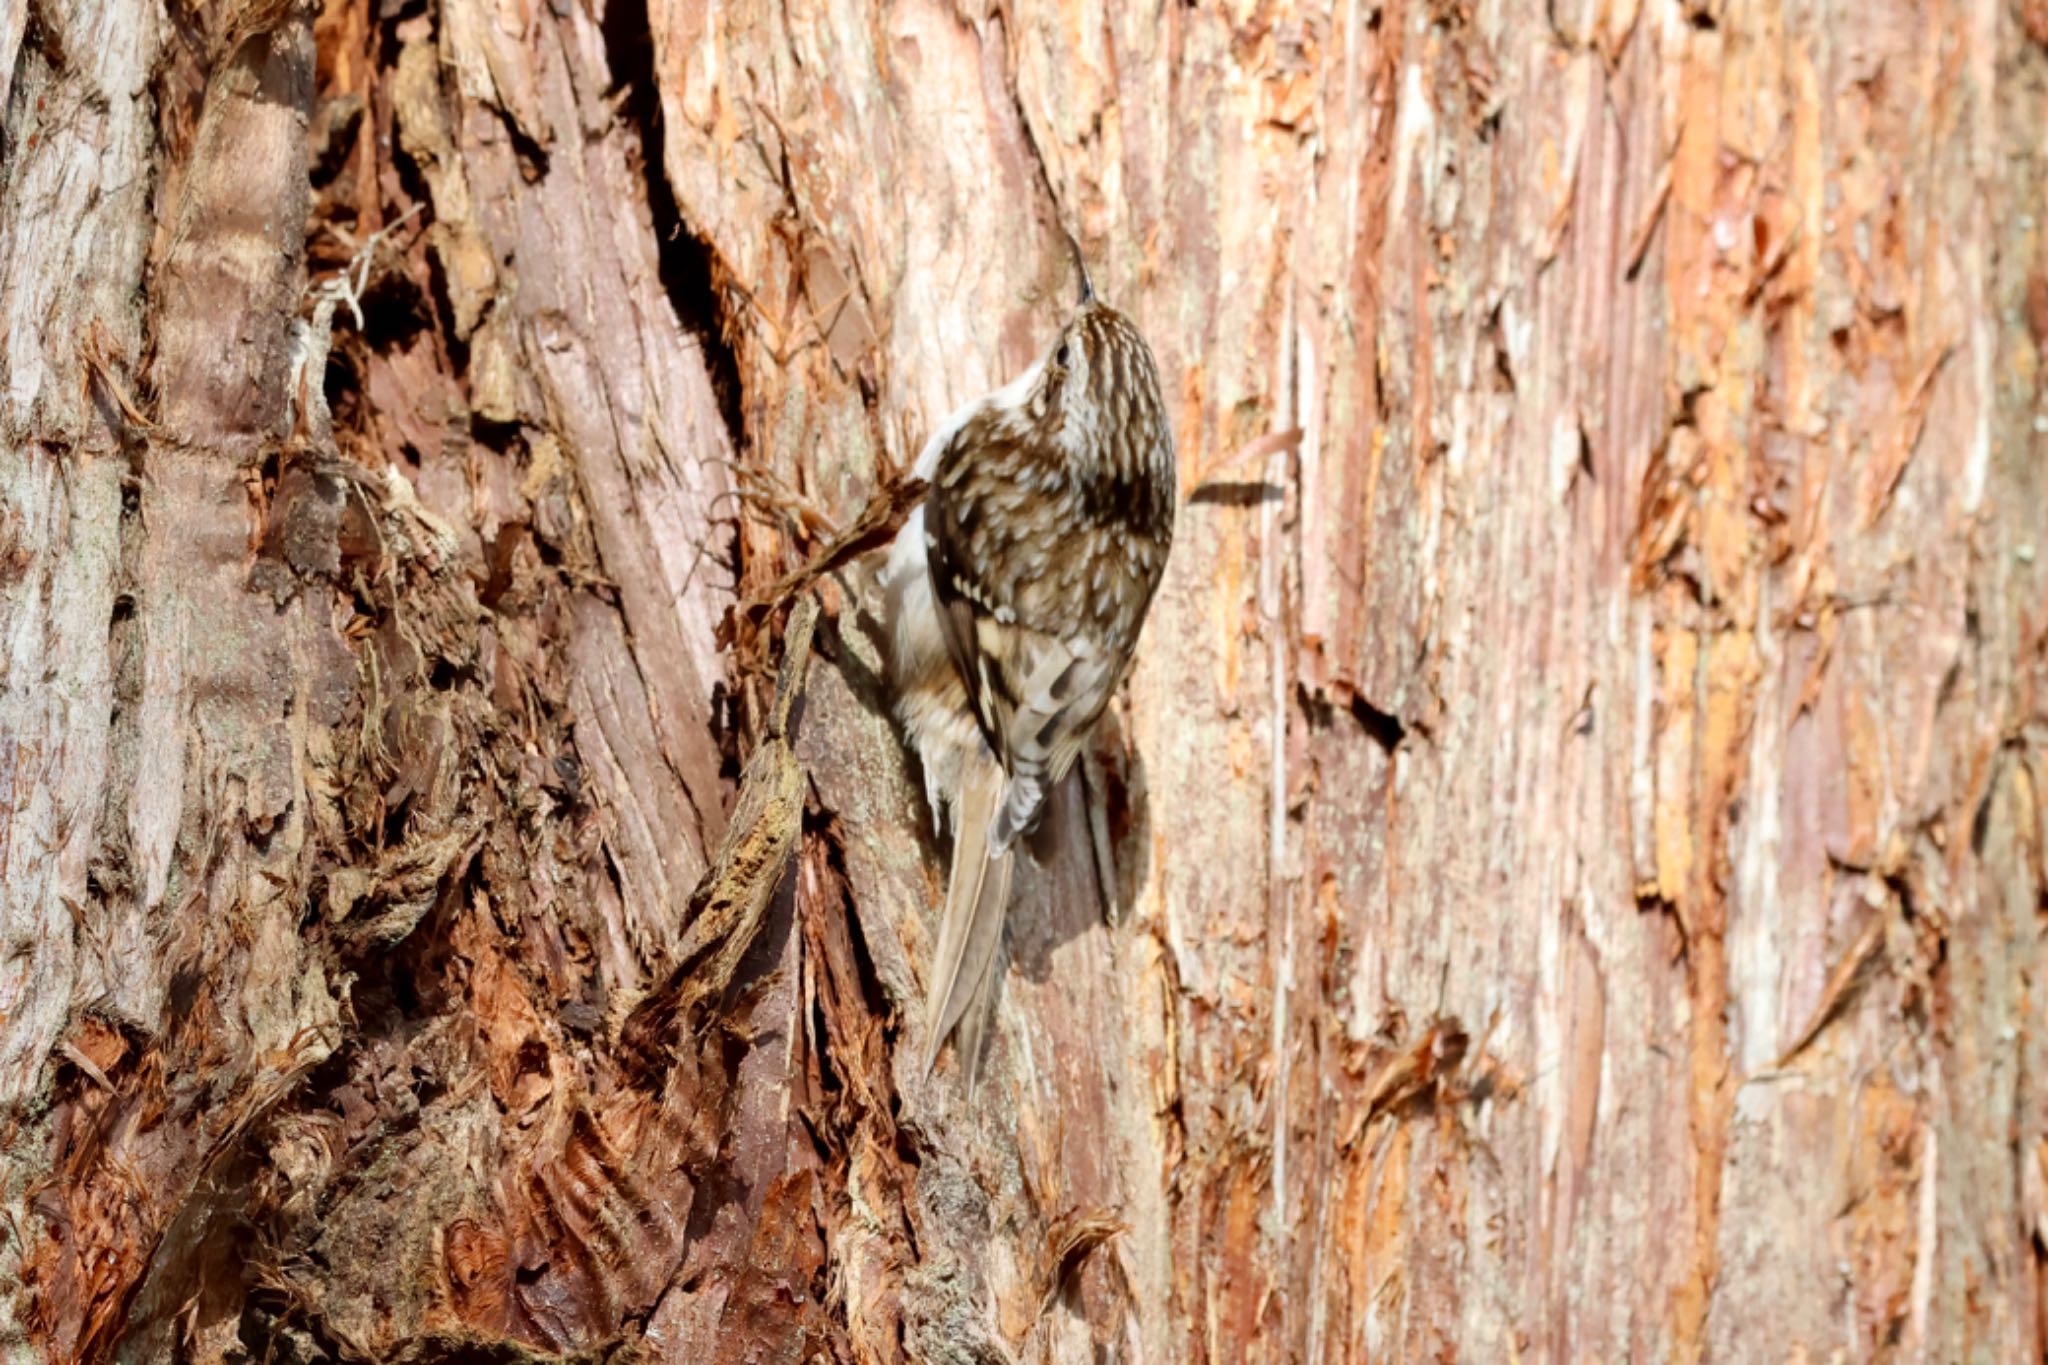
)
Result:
{"points": [[971, 929]]}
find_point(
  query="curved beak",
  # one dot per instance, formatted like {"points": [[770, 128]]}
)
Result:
{"points": [[1081, 269]]}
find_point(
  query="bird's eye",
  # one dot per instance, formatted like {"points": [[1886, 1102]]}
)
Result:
{"points": [[1059, 357]]}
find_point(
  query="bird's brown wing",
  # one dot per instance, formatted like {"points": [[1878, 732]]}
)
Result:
{"points": [[969, 577], [1033, 595], [965, 593]]}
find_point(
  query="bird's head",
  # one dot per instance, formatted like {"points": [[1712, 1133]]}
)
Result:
{"points": [[1098, 388]]}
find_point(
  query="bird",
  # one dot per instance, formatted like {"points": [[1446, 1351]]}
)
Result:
{"points": [[1014, 597]]}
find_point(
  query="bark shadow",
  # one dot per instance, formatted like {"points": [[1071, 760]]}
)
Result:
{"points": [[1061, 889]]}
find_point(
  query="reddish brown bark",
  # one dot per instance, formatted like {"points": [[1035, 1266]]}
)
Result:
{"points": [[1578, 853]]}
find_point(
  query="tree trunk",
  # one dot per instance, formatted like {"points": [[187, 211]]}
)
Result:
{"points": [[1575, 848]]}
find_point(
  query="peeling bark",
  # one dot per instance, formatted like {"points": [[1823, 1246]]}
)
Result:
{"points": [[1577, 849]]}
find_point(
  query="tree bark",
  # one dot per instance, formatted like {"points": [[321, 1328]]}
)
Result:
{"points": [[1575, 848]]}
